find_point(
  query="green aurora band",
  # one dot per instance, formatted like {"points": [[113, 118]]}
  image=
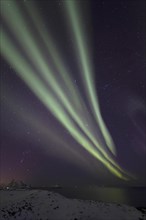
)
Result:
{"points": [[45, 85], [35, 54], [86, 70], [66, 77]]}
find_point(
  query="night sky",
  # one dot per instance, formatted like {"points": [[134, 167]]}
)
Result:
{"points": [[36, 146]]}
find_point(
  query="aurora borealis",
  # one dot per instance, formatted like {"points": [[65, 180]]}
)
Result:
{"points": [[61, 97]]}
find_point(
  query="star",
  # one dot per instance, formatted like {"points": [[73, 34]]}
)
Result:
{"points": [[22, 160]]}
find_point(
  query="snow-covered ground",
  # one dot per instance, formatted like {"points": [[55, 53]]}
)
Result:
{"points": [[45, 205]]}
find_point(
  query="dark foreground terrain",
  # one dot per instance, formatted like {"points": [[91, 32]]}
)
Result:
{"points": [[46, 205]]}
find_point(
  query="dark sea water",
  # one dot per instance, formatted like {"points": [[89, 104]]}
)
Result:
{"points": [[134, 196]]}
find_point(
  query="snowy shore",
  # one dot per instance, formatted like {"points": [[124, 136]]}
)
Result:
{"points": [[45, 205]]}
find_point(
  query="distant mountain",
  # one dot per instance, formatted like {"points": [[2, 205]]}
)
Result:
{"points": [[17, 185]]}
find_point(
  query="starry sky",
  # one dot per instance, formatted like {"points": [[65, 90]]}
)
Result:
{"points": [[37, 144]]}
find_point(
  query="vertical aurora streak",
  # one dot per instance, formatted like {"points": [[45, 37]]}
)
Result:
{"points": [[35, 54], [86, 69], [46, 86]]}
